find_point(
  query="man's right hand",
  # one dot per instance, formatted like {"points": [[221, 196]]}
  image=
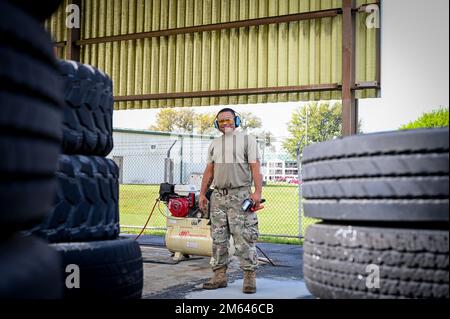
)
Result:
{"points": [[203, 202]]}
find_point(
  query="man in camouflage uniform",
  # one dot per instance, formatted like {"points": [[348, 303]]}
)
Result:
{"points": [[233, 161]]}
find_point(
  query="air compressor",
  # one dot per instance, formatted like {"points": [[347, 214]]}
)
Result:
{"points": [[188, 227]]}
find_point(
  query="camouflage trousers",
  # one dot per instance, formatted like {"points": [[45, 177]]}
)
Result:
{"points": [[227, 219]]}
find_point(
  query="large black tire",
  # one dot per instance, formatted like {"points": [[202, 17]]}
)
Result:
{"points": [[412, 263], [395, 176], [23, 74], [400, 142], [88, 109], [24, 203], [40, 10], [22, 114], [86, 205], [30, 37], [423, 187], [29, 269], [378, 210], [375, 166], [108, 269], [30, 120]]}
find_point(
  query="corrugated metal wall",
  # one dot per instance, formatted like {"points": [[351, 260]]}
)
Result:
{"points": [[285, 54], [56, 26]]}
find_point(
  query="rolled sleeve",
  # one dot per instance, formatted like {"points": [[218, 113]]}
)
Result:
{"points": [[253, 150]]}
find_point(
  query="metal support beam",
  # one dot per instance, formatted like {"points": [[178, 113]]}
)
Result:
{"points": [[366, 85], [349, 102], [73, 36], [231, 92], [60, 44], [216, 26]]}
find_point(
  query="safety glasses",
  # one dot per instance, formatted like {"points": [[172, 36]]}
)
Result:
{"points": [[225, 122]]}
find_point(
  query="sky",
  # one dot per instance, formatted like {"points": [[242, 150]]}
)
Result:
{"points": [[414, 63], [414, 74]]}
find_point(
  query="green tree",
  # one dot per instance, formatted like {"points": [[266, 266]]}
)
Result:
{"points": [[204, 123], [174, 120], [250, 122], [435, 118], [186, 120], [314, 122]]}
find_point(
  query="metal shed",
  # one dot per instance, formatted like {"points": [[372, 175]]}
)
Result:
{"points": [[169, 53]]}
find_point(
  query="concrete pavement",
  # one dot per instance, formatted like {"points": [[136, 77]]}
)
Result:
{"points": [[279, 276]]}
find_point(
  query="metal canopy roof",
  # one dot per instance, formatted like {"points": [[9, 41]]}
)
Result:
{"points": [[173, 53]]}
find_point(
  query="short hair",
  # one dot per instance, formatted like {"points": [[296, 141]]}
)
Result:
{"points": [[227, 109]]}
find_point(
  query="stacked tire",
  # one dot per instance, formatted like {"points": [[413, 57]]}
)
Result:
{"points": [[30, 139], [383, 201], [83, 224]]}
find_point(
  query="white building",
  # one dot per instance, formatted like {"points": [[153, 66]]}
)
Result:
{"points": [[140, 155], [279, 167]]}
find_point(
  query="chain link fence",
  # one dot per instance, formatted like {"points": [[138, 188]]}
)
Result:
{"points": [[140, 156]]}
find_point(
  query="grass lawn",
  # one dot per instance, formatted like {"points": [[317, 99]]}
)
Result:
{"points": [[279, 217]]}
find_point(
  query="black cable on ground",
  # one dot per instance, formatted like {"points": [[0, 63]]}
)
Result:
{"points": [[270, 261], [146, 223]]}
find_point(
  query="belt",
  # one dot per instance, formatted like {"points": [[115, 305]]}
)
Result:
{"points": [[226, 191]]}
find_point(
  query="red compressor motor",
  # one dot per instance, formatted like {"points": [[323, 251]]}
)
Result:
{"points": [[181, 206]]}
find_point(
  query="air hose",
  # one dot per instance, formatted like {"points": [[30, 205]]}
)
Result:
{"points": [[148, 219]]}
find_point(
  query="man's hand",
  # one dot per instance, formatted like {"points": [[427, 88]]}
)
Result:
{"points": [[203, 202], [256, 198], [257, 178], [254, 209]]}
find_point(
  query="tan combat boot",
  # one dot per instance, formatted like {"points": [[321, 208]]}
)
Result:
{"points": [[219, 279], [249, 286]]}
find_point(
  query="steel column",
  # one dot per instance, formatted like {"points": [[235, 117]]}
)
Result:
{"points": [[349, 101]]}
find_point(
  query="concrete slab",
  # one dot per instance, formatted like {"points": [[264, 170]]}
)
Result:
{"points": [[280, 275], [161, 273], [266, 289]]}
